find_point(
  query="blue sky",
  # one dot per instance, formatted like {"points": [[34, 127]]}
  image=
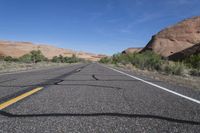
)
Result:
{"points": [[98, 26]]}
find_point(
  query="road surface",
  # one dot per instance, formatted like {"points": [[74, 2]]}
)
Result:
{"points": [[94, 98]]}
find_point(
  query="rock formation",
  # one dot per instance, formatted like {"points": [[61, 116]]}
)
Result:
{"points": [[177, 38]]}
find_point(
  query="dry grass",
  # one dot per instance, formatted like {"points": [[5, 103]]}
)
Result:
{"points": [[16, 66]]}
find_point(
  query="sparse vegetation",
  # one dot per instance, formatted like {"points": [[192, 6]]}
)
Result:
{"points": [[195, 72], [153, 62], [36, 56], [34, 59], [26, 58], [61, 59], [193, 61], [173, 68], [10, 59], [105, 60], [147, 60]]}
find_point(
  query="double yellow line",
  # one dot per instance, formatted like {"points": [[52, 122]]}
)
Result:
{"points": [[18, 98]]}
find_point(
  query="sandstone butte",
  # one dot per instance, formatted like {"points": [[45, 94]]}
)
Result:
{"points": [[176, 39], [17, 49], [175, 42]]}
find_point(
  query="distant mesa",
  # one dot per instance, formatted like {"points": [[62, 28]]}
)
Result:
{"points": [[17, 49], [176, 42]]}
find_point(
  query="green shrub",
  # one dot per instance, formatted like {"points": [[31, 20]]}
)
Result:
{"points": [[10, 59], [193, 61], [26, 58], [151, 61], [33, 57], [61, 59], [167, 68], [195, 72], [105, 60], [147, 60], [55, 59], [178, 68], [37, 56], [74, 59], [174, 68], [116, 58]]}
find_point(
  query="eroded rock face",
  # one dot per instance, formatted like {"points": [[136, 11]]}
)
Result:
{"points": [[17, 49], [176, 38], [131, 50], [186, 53]]}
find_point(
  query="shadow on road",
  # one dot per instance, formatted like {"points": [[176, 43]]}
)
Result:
{"points": [[7, 114]]}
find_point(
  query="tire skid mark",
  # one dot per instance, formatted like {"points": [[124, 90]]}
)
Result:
{"points": [[43, 84], [94, 77]]}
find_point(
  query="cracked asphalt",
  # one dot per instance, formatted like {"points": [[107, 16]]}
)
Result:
{"points": [[93, 98]]}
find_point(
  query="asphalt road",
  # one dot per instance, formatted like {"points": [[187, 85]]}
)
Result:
{"points": [[93, 98]]}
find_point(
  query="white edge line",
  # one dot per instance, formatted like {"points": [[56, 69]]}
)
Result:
{"points": [[155, 85]]}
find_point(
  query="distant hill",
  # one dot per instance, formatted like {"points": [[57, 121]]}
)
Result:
{"points": [[17, 49]]}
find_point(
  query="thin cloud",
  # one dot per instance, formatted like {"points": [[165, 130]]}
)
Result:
{"points": [[107, 7], [144, 19], [181, 2], [114, 20]]}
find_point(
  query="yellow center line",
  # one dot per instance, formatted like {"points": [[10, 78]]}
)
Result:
{"points": [[18, 98]]}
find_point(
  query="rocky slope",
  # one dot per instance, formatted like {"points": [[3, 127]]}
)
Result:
{"points": [[186, 53], [17, 49], [131, 50], [176, 38]]}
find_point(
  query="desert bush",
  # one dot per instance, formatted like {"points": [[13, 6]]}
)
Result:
{"points": [[26, 58], [121, 58], [74, 59], [193, 61], [61, 59], [33, 57], [147, 60], [179, 68], [195, 72], [167, 68], [173, 68], [55, 59], [37, 56], [10, 59], [150, 61], [105, 60], [116, 58]]}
